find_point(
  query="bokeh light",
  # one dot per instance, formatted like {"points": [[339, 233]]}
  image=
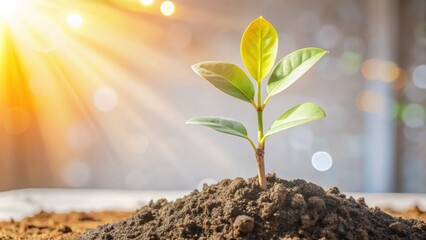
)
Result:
{"points": [[75, 20], [105, 99], [375, 69], [370, 101], [402, 80], [328, 36], [413, 115], [419, 76], [167, 8], [322, 161], [349, 63]]}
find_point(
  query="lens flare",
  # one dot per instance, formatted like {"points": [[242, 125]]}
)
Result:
{"points": [[167, 8]]}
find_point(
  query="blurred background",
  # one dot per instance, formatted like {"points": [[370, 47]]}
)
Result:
{"points": [[95, 93]]}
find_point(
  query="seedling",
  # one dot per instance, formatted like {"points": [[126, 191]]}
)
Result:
{"points": [[259, 46]]}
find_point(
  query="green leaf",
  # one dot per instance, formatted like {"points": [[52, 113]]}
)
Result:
{"points": [[228, 78], [299, 114], [259, 47], [225, 125], [292, 67]]}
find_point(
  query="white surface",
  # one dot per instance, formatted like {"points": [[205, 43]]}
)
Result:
{"points": [[21, 203]]}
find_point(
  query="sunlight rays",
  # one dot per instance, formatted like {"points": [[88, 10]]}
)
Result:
{"points": [[74, 86]]}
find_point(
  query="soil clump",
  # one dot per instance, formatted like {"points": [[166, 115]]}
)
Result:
{"points": [[239, 209]]}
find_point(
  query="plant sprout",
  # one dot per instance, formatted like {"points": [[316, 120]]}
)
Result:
{"points": [[259, 46]]}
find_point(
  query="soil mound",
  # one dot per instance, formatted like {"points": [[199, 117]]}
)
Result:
{"points": [[239, 209]]}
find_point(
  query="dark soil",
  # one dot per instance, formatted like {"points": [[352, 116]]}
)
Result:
{"points": [[239, 209]]}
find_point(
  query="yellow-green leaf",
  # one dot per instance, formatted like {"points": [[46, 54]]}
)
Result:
{"points": [[221, 124], [292, 67], [299, 114], [259, 47], [228, 78]]}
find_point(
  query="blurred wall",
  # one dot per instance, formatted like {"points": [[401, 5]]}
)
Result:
{"points": [[95, 94]]}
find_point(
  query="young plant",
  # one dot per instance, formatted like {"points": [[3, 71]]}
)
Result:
{"points": [[259, 46]]}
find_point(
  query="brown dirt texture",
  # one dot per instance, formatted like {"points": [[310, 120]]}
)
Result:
{"points": [[54, 226], [413, 213], [239, 209]]}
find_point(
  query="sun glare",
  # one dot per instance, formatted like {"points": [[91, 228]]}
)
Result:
{"points": [[54, 78], [8, 7], [75, 20]]}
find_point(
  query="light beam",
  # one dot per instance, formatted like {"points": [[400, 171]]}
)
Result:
{"points": [[8, 8]]}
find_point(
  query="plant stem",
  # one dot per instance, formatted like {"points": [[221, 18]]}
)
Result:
{"points": [[259, 112], [267, 100], [260, 159], [259, 125], [260, 151], [252, 144]]}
